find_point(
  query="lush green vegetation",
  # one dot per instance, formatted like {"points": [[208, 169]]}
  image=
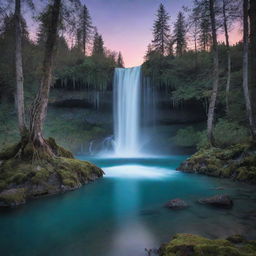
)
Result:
{"points": [[188, 78]]}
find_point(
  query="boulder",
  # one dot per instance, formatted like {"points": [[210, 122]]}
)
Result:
{"points": [[176, 203], [236, 239], [222, 201]]}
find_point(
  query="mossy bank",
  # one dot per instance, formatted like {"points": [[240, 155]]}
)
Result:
{"points": [[193, 245], [237, 162], [22, 179]]}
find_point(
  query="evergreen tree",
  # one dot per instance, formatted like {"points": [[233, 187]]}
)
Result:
{"points": [[84, 29], [201, 12], [120, 62], [180, 34], [161, 31], [98, 45]]}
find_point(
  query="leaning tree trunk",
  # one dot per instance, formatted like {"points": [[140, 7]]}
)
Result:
{"points": [[212, 104], [252, 61], [39, 108], [228, 55], [19, 71]]}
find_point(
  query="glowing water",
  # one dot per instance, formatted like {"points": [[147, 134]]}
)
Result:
{"points": [[127, 83]]}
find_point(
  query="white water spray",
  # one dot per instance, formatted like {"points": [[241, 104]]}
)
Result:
{"points": [[127, 86]]}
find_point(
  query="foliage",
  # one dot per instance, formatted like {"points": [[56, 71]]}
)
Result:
{"points": [[229, 133], [161, 31], [187, 137], [180, 34]]}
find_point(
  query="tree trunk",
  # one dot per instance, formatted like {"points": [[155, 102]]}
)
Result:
{"points": [[245, 71], [228, 55], [84, 31], [39, 108], [252, 57], [212, 104], [19, 71]]}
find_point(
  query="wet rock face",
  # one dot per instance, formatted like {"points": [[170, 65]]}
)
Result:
{"points": [[221, 201], [176, 203]]}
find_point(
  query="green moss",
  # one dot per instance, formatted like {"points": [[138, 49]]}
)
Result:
{"points": [[237, 162], [40, 176], [68, 177], [58, 150], [193, 245], [3, 185], [18, 178], [9, 152], [242, 173], [13, 197]]}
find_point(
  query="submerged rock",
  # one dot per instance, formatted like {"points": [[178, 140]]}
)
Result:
{"points": [[176, 203], [194, 245], [223, 201]]}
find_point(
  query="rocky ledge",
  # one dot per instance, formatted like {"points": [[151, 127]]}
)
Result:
{"points": [[21, 180], [237, 162], [193, 245]]}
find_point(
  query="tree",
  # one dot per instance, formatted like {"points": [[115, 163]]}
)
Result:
{"points": [[248, 103], [161, 30], [19, 71], [84, 29], [39, 107], [202, 9], [120, 62], [180, 34], [252, 54], [98, 45], [212, 104], [229, 9]]}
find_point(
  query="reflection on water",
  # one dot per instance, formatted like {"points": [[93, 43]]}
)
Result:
{"points": [[123, 213]]}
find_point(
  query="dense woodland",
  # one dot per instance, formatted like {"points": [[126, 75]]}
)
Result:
{"points": [[179, 59]]}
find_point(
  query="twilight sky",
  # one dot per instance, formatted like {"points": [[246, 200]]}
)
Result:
{"points": [[126, 25]]}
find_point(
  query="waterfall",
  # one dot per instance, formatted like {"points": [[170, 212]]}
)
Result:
{"points": [[127, 86]]}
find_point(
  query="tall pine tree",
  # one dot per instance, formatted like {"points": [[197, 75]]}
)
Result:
{"points": [[161, 31], [84, 29], [98, 45], [180, 34]]}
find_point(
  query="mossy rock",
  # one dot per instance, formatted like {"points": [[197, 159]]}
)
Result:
{"points": [[194, 245], [9, 151], [44, 176], [58, 150], [13, 197], [237, 162]]}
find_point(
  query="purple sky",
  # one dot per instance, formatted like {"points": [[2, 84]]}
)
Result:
{"points": [[126, 25]]}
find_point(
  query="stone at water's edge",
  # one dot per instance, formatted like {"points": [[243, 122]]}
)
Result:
{"points": [[237, 162], [222, 201], [194, 245], [22, 180], [176, 204]]}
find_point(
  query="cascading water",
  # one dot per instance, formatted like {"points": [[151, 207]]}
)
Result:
{"points": [[127, 87]]}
